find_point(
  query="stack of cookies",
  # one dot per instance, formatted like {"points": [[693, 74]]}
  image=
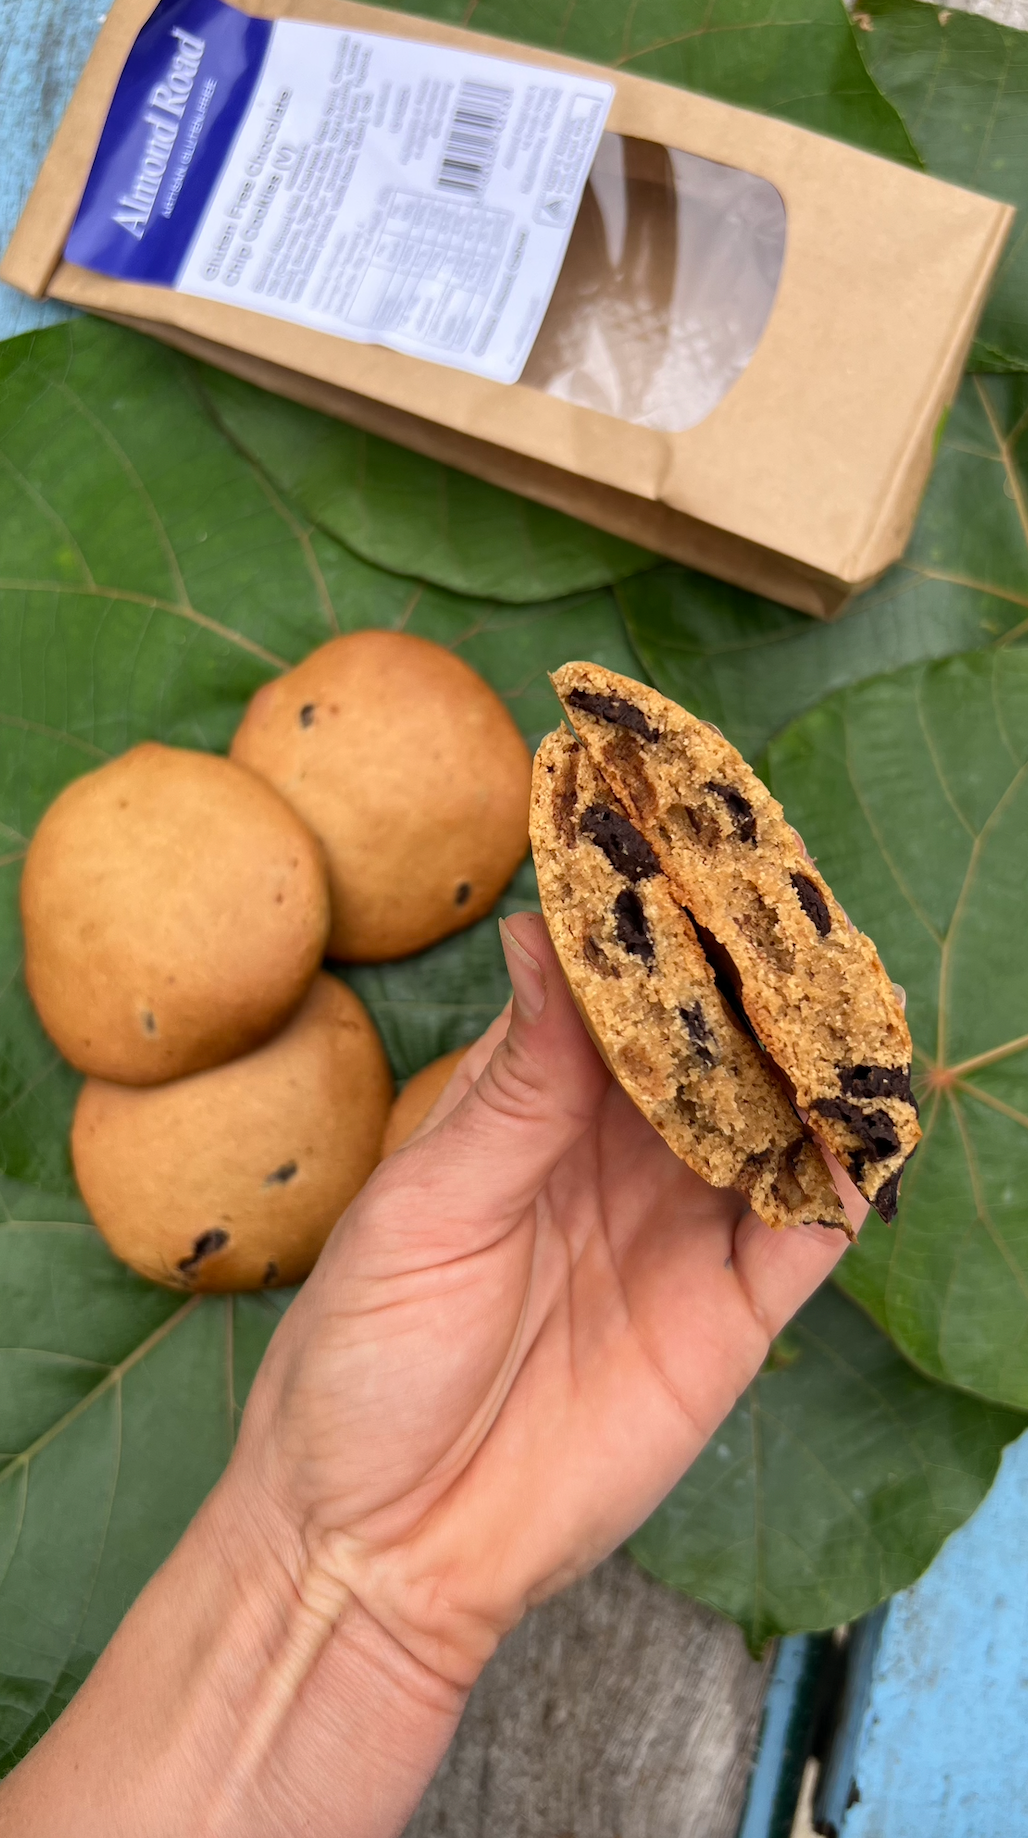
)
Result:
{"points": [[177, 908]]}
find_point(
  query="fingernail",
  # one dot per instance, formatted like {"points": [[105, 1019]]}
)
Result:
{"points": [[901, 995], [526, 978]]}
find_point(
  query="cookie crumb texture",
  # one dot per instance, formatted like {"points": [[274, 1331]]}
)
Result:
{"points": [[233, 1179], [812, 986], [412, 773], [651, 1001], [175, 912]]}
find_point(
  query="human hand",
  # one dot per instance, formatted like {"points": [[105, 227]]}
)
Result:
{"points": [[519, 1335]]}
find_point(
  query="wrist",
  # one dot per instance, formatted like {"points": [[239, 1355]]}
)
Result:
{"points": [[247, 1700], [337, 1724]]}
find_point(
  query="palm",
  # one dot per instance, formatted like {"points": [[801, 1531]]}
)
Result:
{"points": [[490, 1380]]}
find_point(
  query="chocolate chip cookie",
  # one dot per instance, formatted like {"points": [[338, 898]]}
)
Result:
{"points": [[175, 912], [812, 987], [413, 775], [651, 1001]]}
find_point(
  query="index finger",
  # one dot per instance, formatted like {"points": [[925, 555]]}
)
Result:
{"points": [[781, 1270]]}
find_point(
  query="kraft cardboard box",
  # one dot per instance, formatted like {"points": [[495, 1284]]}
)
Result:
{"points": [[751, 339]]}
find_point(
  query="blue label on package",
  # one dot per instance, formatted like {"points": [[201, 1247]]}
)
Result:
{"points": [[360, 184], [184, 90]]}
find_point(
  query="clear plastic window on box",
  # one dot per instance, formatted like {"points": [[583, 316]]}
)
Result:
{"points": [[666, 288]]}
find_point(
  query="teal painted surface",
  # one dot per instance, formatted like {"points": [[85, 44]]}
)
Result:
{"points": [[44, 45], [836, 1782], [785, 1733], [942, 1750]]}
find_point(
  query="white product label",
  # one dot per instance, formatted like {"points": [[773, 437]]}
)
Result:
{"points": [[401, 194]]}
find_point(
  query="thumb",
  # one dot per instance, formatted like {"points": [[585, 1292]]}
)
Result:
{"points": [[539, 1090]]}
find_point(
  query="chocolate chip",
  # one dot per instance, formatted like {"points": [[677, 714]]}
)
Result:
{"points": [[626, 850], [566, 797], [614, 709], [812, 900], [463, 894], [630, 927], [271, 1272], [595, 955], [307, 715], [753, 1167], [625, 766], [149, 1021], [279, 1176], [726, 975], [688, 1109], [699, 1033], [877, 1082], [204, 1246], [839, 1225], [886, 1199], [786, 1189], [874, 1129], [741, 811], [760, 925], [701, 822]]}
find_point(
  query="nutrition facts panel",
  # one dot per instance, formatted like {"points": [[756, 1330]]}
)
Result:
{"points": [[431, 271]]}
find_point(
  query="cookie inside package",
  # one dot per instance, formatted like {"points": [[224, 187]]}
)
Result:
{"points": [[731, 995], [705, 330]]}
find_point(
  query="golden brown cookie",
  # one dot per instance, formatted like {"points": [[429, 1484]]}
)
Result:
{"points": [[410, 769], [417, 1098], [175, 911], [233, 1179], [650, 999], [812, 986]]}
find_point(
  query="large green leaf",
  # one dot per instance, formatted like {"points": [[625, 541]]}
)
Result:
{"points": [[751, 666], [410, 514], [151, 580], [152, 577], [118, 1408], [795, 58], [912, 792], [832, 1484], [961, 85]]}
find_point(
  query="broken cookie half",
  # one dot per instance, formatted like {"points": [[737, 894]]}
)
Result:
{"points": [[812, 987], [641, 979]]}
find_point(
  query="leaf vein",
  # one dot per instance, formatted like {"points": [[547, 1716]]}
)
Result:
{"points": [[113, 1377]]}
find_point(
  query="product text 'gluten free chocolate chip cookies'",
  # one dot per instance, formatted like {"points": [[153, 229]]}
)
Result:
{"points": [[714, 965]]}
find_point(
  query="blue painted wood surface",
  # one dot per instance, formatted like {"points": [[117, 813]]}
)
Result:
{"points": [[942, 1748], [837, 1783], [935, 1734], [44, 45], [784, 1741]]}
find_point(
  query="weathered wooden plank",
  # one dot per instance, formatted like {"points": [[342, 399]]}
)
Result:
{"points": [[618, 1710]]}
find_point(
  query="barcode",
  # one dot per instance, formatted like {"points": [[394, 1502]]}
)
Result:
{"points": [[474, 136]]}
